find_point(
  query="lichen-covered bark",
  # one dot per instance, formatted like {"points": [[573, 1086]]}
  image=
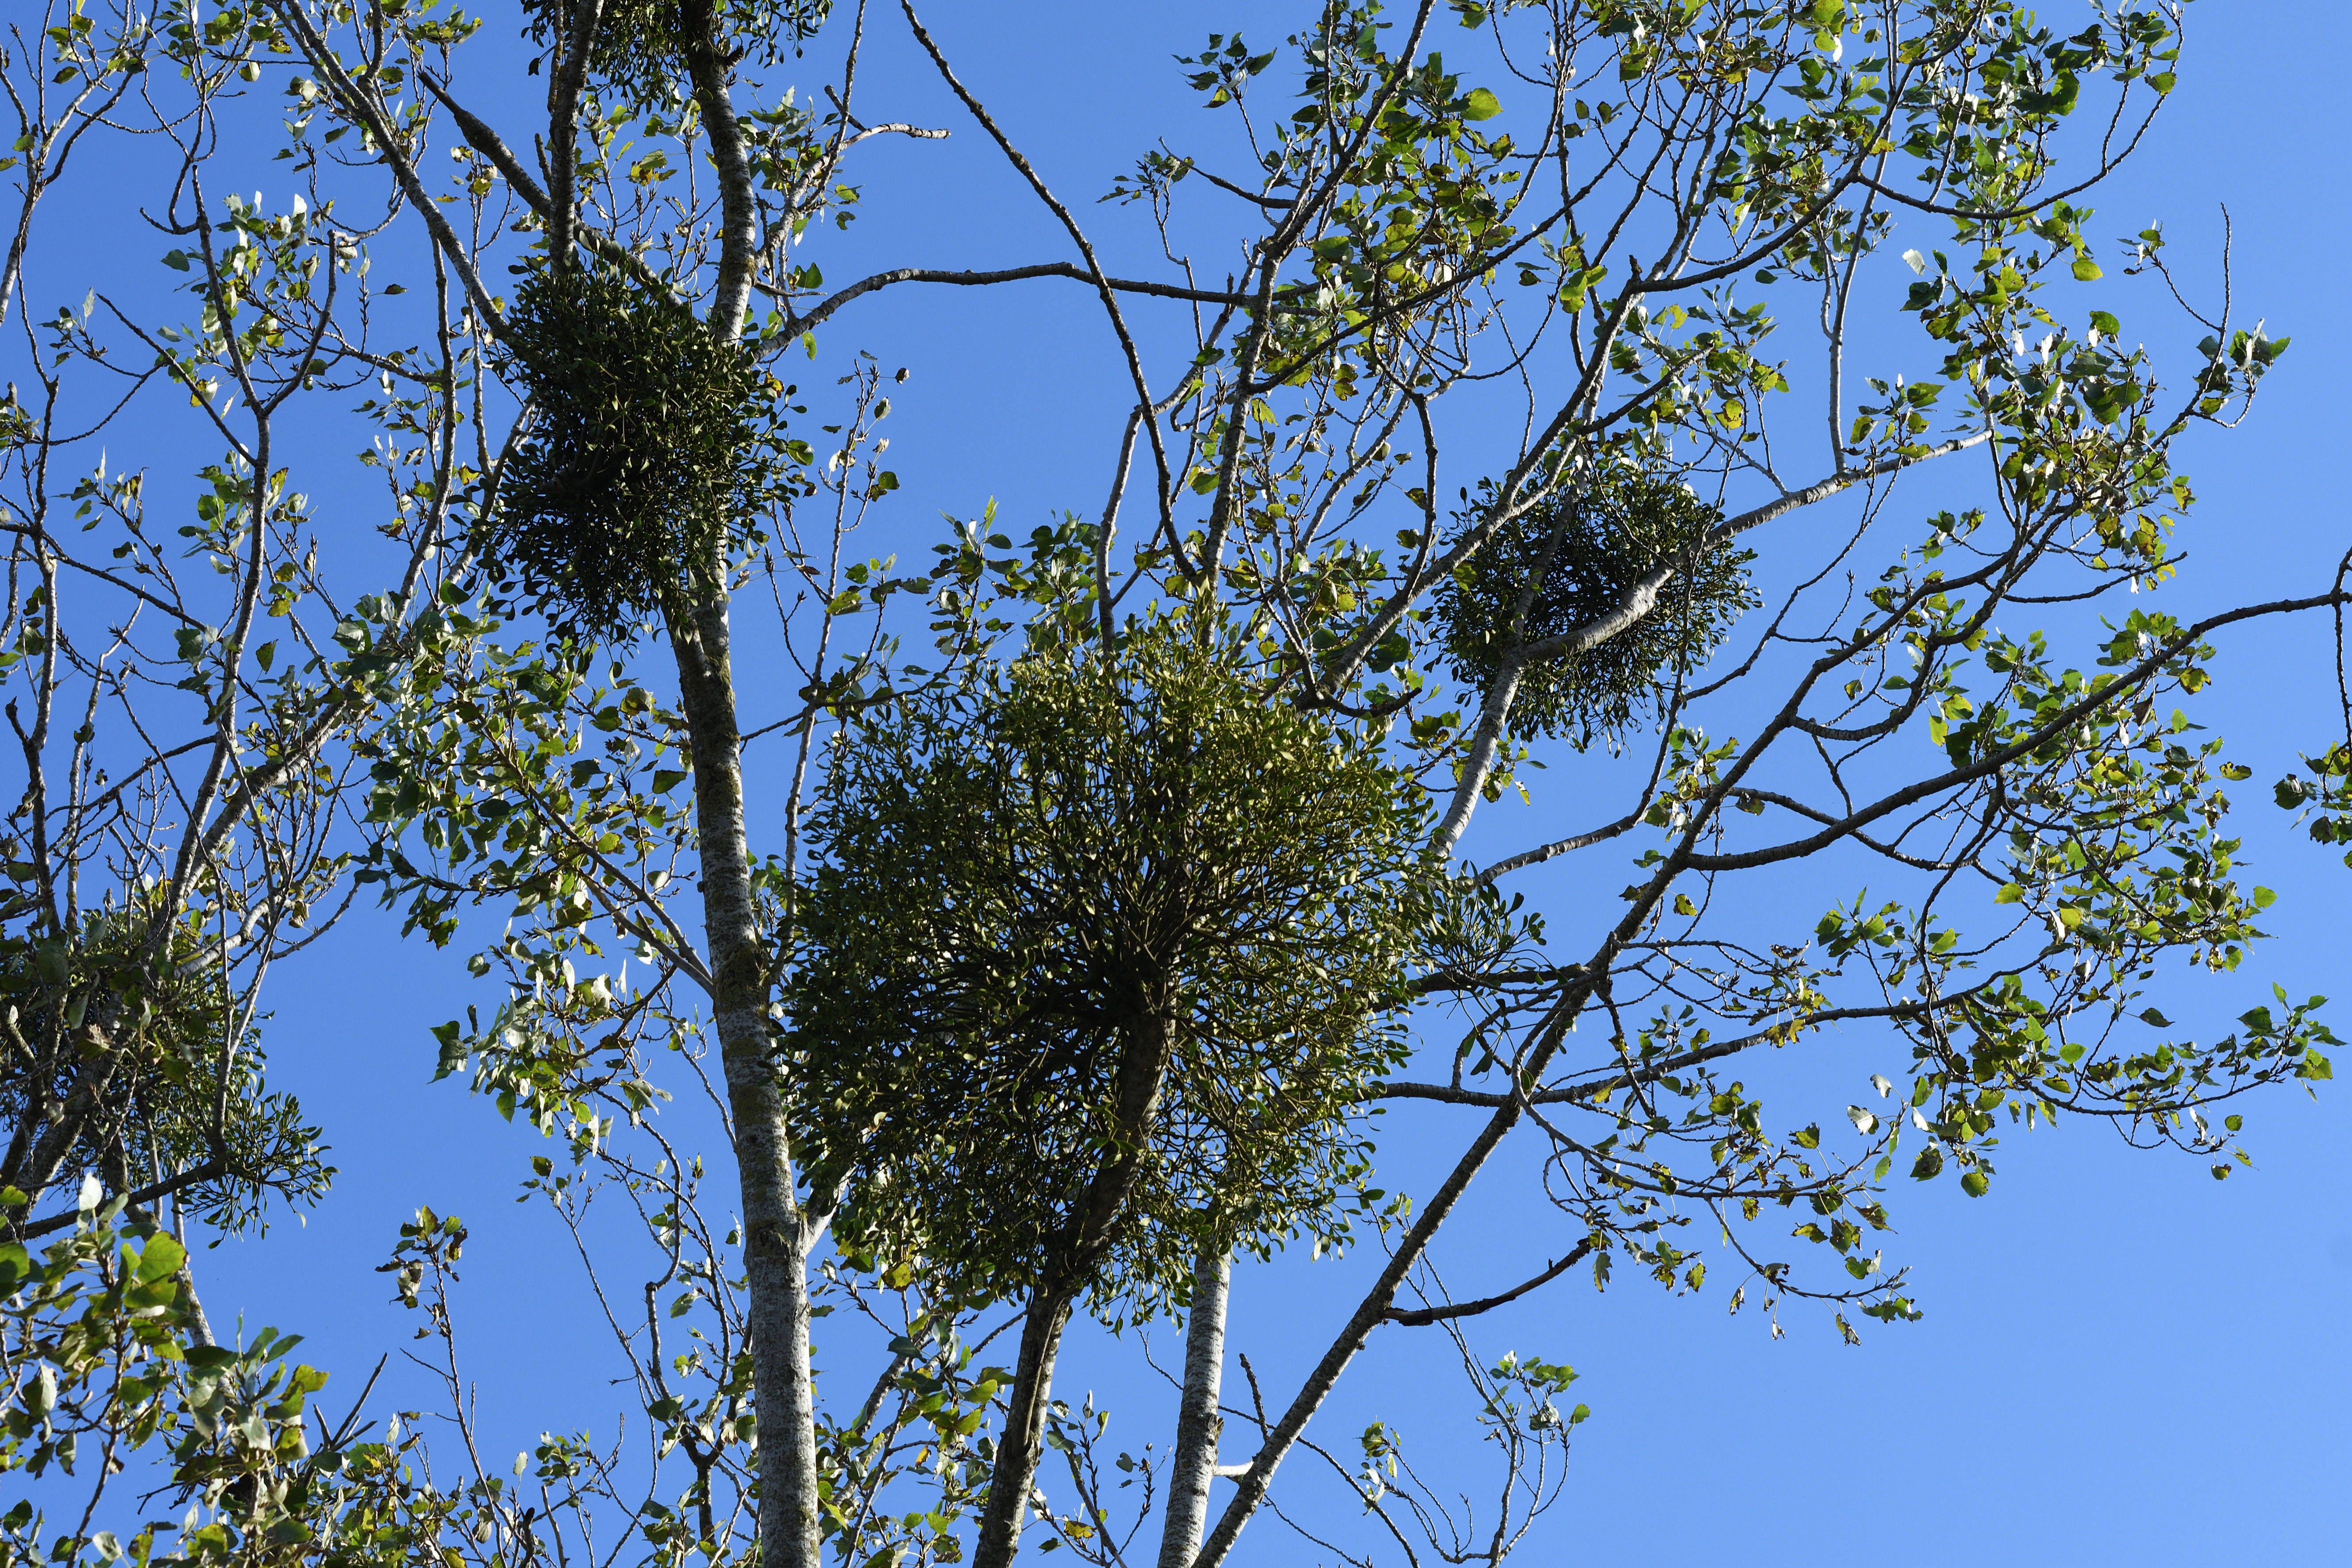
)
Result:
{"points": [[776, 1236]]}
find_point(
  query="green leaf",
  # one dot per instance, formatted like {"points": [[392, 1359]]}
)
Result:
{"points": [[1975, 1183], [1481, 105], [160, 1256], [452, 1055], [1929, 1165], [2087, 270]]}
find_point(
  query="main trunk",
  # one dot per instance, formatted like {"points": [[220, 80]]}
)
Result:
{"points": [[775, 1242], [1199, 1420]]}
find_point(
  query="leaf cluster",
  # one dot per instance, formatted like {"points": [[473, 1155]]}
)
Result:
{"points": [[640, 45], [182, 1095], [105, 1355]]}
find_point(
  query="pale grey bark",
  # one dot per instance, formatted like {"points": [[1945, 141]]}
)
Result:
{"points": [[1476, 768], [1198, 1423], [738, 217], [775, 1239], [1368, 1316], [777, 1235], [1373, 1310], [1500, 691], [571, 73]]}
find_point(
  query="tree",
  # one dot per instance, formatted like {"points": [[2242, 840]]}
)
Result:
{"points": [[184, 696], [185, 679], [1620, 204]]}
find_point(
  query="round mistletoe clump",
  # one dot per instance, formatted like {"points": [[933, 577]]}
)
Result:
{"points": [[1620, 526], [642, 462], [1102, 952]]}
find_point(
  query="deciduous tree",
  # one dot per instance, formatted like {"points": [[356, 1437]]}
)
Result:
{"points": [[1599, 227]]}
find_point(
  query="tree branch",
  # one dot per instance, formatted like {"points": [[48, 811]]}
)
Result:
{"points": [[488, 142], [1422, 1318], [864, 286], [139, 1198], [2065, 718], [358, 106]]}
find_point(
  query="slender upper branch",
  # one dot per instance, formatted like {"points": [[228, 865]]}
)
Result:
{"points": [[824, 308], [358, 104], [738, 224], [1422, 1316], [488, 142]]}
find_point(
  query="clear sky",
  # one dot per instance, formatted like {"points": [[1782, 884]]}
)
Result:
{"points": [[2122, 1360]]}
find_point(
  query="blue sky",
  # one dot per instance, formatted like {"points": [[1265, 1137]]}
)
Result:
{"points": [[2122, 1359]]}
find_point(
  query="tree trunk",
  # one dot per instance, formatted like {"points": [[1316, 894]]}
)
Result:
{"points": [[1024, 1438], [775, 1241], [1199, 1422], [1087, 1237]]}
